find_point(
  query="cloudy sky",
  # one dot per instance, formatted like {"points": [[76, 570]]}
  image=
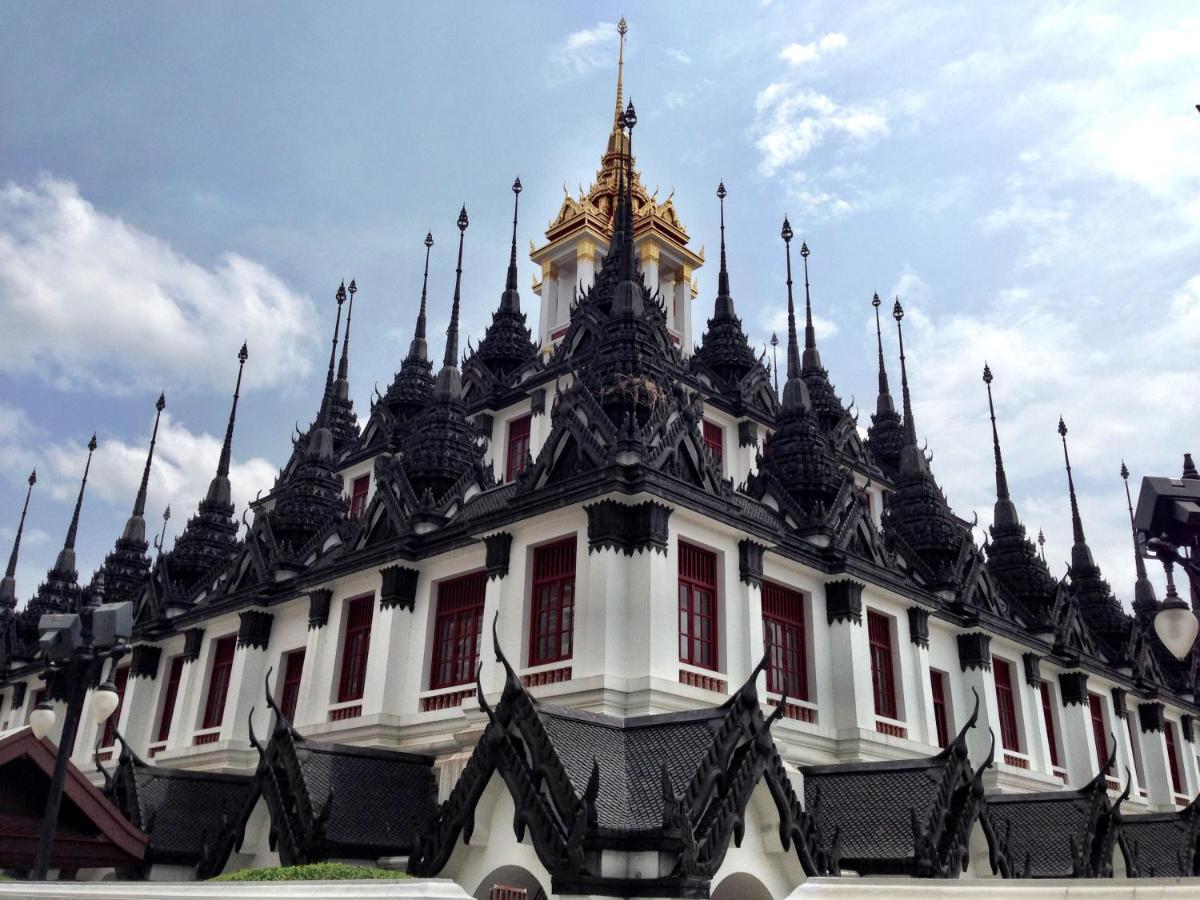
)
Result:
{"points": [[1026, 177]]}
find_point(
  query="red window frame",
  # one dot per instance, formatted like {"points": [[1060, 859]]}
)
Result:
{"points": [[883, 672], [120, 680], [170, 694], [218, 681], [359, 488], [552, 602], [1172, 757], [356, 644], [1048, 715], [458, 625], [697, 606], [1099, 731], [941, 716], [784, 636], [1010, 732], [289, 691], [714, 439], [517, 447]]}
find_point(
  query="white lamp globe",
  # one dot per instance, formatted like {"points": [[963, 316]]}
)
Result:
{"points": [[41, 720], [1176, 626], [104, 702]]}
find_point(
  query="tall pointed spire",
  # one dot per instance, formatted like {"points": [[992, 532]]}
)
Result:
{"points": [[884, 405], [1081, 554], [510, 284], [66, 557], [795, 393], [911, 457], [8, 585], [135, 526], [812, 359], [340, 296], [418, 350], [344, 363], [724, 301], [1005, 511], [622, 28], [218, 489], [1144, 598], [449, 380]]}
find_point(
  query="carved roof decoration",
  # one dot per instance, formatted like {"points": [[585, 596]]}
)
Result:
{"points": [[189, 816], [1162, 845], [1055, 834], [337, 801], [677, 784], [901, 817]]}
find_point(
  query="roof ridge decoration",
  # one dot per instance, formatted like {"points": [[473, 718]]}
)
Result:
{"points": [[561, 819]]}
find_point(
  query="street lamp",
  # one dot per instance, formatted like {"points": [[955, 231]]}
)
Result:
{"points": [[1174, 623], [75, 654]]}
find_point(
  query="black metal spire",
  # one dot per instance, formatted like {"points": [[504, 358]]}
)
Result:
{"points": [[795, 392], [510, 298], [812, 359], [1005, 511], [135, 526], [724, 305], [1189, 468], [418, 350], [337, 324], [344, 362], [1042, 544], [1081, 554], [218, 489], [8, 585], [66, 557], [449, 381], [630, 120], [884, 405], [1144, 598], [911, 457]]}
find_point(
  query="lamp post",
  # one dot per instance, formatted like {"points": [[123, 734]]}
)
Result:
{"points": [[75, 658]]}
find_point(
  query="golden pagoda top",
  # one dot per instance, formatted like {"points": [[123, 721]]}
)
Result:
{"points": [[598, 202]]}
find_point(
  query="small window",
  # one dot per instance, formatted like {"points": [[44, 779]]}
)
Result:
{"points": [[697, 606], [355, 646], [784, 638], [358, 496], [120, 679], [218, 681], [1173, 757], [941, 714], [1051, 731], [170, 693], [289, 693], [457, 628], [552, 602], [714, 440], [1010, 732], [1099, 730], [883, 673], [518, 447]]}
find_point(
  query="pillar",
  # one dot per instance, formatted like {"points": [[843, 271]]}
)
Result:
{"points": [[682, 303], [853, 700], [548, 314], [387, 686], [1078, 753], [585, 271], [749, 598], [649, 261], [140, 704], [975, 660], [188, 698], [312, 700], [1150, 723], [919, 688], [247, 689]]}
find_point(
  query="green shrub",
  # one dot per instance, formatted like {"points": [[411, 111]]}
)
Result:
{"points": [[326, 871]]}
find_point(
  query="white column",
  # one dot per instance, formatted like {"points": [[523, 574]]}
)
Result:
{"points": [[974, 656], [1155, 762], [1078, 752], [649, 263], [652, 620], [754, 641], [600, 619], [492, 673], [387, 663], [139, 706], [585, 271], [919, 687], [247, 691], [312, 700], [1187, 761], [548, 303], [853, 692]]}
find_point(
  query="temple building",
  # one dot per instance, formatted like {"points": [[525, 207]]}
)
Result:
{"points": [[592, 610]]}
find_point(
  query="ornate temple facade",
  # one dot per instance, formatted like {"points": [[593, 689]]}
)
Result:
{"points": [[596, 611]]}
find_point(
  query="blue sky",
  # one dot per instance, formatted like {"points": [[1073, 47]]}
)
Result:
{"points": [[175, 179]]}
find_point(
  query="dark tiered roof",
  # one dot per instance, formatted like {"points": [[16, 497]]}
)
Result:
{"points": [[413, 385], [885, 436], [1162, 845], [189, 816]]}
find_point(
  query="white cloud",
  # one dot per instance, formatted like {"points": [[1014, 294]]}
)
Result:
{"points": [[791, 121], [776, 322], [584, 51], [799, 54], [679, 56], [99, 303], [184, 463]]}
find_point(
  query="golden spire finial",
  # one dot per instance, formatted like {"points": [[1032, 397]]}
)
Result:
{"points": [[621, 29]]}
